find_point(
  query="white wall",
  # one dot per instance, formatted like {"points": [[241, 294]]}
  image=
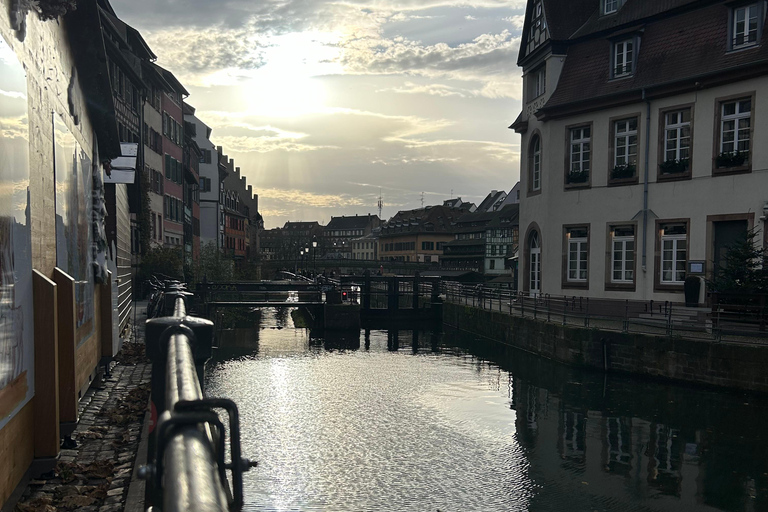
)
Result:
{"points": [[695, 199], [209, 210]]}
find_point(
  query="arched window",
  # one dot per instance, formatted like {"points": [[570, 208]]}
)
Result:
{"points": [[534, 264], [534, 164]]}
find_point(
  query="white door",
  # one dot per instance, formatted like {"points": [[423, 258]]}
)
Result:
{"points": [[535, 266]]}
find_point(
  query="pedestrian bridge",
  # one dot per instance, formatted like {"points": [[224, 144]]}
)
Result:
{"points": [[401, 297], [256, 294]]}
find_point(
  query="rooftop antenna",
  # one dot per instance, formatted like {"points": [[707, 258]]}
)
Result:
{"points": [[451, 193], [422, 199], [380, 203]]}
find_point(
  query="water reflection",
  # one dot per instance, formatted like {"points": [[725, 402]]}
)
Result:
{"points": [[619, 443], [423, 420]]}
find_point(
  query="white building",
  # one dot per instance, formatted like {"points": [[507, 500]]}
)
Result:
{"points": [[209, 181], [365, 247], [153, 151], [638, 162]]}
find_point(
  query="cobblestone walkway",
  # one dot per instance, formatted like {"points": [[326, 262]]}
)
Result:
{"points": [[94, 476]]}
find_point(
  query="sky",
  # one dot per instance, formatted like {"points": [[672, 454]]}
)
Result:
{"points": [[325, 105]]}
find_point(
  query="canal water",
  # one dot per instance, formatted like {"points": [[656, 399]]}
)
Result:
{"points": [[426, 421]]}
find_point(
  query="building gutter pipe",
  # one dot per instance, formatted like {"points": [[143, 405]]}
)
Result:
{"points": [[645, 177]]}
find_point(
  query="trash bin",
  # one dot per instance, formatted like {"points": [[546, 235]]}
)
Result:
{"points": [[692, 288]]}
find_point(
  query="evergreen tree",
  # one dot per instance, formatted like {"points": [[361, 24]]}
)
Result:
{"points": [[743, 270]]}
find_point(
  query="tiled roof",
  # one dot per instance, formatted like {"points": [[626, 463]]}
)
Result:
{"points": [[356, 222], [490, 200], [301, 225], [433, 219], [564, 17], [677, 49], [485, 219], [631, 12]]}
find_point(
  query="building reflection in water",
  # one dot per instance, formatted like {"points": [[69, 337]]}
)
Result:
{"points": [[616, 443]]}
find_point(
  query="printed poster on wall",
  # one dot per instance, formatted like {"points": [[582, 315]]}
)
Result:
{"points": [[74, 181], [16, 313]]}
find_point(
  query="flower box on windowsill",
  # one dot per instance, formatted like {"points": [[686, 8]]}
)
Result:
{"points": [[671, 170], [732, 163], [623, 175], [730, 160], [674, 166], [624, 171], [577, 178]]}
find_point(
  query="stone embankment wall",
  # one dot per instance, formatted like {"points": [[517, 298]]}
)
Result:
{"points": [[727, 365]]}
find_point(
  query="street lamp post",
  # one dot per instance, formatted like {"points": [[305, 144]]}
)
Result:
{"points": [[314, 257], [306, 251], [301, 253]]}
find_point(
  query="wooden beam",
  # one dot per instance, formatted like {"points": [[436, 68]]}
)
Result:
{"points": [[46, 367], [65, 297]]}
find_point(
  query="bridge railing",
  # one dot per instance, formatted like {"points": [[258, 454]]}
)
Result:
{"points": [[186, 468]]}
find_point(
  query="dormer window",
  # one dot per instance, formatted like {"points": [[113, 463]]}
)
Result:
{"points": [[746, 25], [623, 57], [611, 6]]}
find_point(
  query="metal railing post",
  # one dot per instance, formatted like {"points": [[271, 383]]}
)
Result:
{"points": [[626, 316], [565, 308], [586, 315], [669, 319]]}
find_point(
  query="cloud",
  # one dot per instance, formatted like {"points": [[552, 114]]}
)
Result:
{"points": [[280, 16], [196, 53], [265, 144], [517, 21], [452, 150], [237, 36], [485, 59], [13, 94], [309, 199], [432, 89], [331, 129]]}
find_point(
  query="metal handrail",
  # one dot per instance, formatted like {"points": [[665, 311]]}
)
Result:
{"points": [[188, 471], [656, 318]]}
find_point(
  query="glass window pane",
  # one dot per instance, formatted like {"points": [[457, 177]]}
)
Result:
{"points": [[745, 105]]}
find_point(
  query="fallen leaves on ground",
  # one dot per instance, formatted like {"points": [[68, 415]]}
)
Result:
{"points": [[128, 409], [90, 434], [72, 497], [132, 353], [122, 440], [37, 505]]}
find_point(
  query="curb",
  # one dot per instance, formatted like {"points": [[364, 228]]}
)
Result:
{"points": [[134, 501]]}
